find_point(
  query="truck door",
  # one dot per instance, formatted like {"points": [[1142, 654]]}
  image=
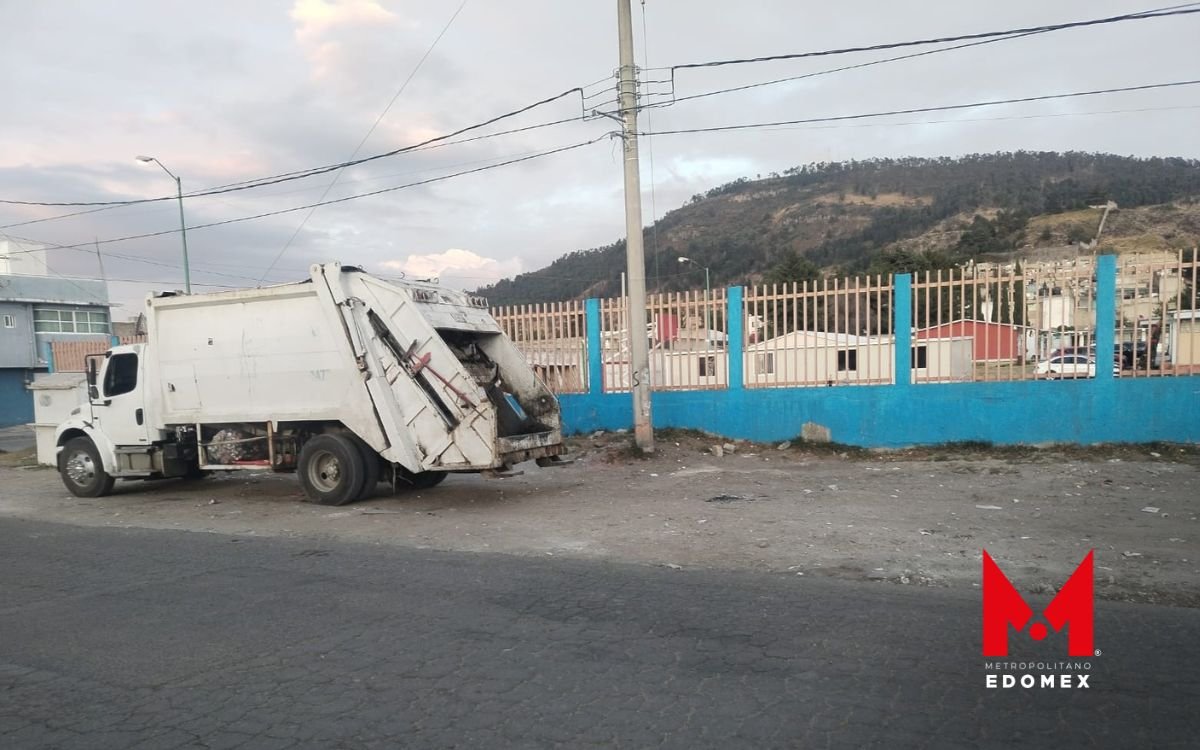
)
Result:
{"points": [[120, 411]]}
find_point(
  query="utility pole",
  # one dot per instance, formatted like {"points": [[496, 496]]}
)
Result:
{"points": [[635, 262], [187, 271], [100, 261]]}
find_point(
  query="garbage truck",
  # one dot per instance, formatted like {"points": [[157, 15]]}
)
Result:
{"points": [[346, 379]]}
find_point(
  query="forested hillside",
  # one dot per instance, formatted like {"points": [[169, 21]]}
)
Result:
{"points": [[885, 215]]}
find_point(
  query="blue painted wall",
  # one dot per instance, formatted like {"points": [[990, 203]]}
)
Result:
{"points": [[16, 402], [1131, 410], [1100, 410]]}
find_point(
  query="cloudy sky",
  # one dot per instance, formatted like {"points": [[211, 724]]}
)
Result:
{"points": [[223, 92]]}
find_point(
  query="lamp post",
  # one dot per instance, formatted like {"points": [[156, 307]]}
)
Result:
{"points": [[707, 292], [187, 274]]}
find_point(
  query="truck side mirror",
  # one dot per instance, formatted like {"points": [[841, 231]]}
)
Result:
{"points": [[93, 391]]}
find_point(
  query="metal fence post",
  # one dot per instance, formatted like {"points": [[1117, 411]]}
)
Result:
{"points": [[902, 329], [595, 356], [734, 338], [1106, 315]]}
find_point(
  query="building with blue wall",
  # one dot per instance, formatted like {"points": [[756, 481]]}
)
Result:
{"points": [[35, 311]]}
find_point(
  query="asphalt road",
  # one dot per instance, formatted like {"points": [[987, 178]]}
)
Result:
{"points": [[114, 638]]}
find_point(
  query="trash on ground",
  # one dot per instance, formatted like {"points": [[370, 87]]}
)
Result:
{"points": [[988, 507], [725, 499]]}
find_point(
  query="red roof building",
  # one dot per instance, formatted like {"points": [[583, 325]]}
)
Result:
{"points": [[993, 342]]}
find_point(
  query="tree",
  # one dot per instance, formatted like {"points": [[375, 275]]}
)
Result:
{"points": [[793, 268]]}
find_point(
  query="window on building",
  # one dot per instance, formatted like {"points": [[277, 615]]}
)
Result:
{"points": [[54, 320], [121, 374], [765, 364], [848, 360], [920, 357], [708, 366], [10, 321]]}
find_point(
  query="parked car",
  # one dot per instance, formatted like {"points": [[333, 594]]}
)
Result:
{"points": [[1087, 351], [1133, 355], [1071, 366]]}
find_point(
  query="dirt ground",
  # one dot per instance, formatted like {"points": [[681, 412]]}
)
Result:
{"points": [[902, 518]]}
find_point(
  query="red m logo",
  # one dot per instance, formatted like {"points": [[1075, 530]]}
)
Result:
{"points": [[1003, 606]]}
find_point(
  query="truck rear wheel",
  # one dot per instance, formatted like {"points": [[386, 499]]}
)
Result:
{"points": [[371, 469], [331, 469], [82, 470]]}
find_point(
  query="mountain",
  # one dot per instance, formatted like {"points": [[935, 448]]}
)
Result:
{"points": [[887, 215]]}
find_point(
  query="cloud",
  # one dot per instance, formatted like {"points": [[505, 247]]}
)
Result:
{"points": [[456, 267], [325, 27], [315, 17]]}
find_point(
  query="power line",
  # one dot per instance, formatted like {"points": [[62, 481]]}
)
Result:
{"points": [[650, 152], [872, 63], [992, 119], [1185, 9], [133, 258], [831, 71], [263, 215], [149, 281], [302, 174], [337, 175], [442, 144], [45, 265], [918, 110]]}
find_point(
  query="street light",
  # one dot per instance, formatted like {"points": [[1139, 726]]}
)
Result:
{"points": [[187, 274], [707, 292]]}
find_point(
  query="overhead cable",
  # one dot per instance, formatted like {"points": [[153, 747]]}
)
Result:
{"points": [[918, 110], [1179, 10], [302, 174], [431, 180]]}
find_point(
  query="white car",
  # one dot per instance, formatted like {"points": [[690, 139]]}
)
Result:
{"points": [[1070, 366]]}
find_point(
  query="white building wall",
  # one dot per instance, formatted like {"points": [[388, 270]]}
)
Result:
{"points": [[22, 259]]}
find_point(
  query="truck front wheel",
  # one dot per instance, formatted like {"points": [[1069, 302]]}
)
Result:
{"points": [[331, 469], [82, 470]]}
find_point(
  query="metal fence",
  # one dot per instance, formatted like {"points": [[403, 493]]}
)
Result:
{"points": [[553, 338], [979, 323], [1157, 325], [819, 333], [686, 336]]}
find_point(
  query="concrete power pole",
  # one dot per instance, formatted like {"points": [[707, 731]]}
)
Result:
{"points": [[634, 255]]}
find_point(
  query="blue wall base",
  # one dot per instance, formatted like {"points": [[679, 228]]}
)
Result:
{"points": [[1007, 413]]}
